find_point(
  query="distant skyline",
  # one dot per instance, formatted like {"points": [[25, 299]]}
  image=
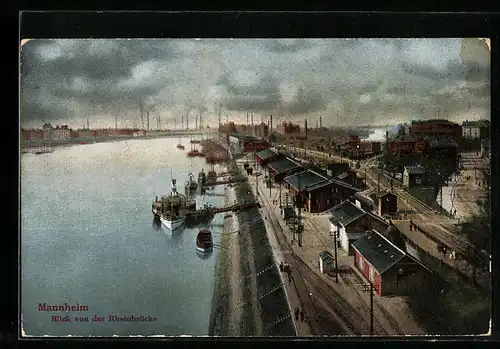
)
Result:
{"points": [[345, 81]]}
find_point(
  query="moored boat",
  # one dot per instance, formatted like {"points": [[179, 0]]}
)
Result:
{"points": [[204, 241], [180, 146], [193, 153], [172, 221]]}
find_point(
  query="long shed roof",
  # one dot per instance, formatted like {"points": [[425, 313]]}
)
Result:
{"points": [[283, 165], [378, 251]]}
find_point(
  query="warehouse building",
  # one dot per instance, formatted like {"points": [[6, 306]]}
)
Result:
{"points": [[349, 222], [281, 168], [389, 269], [265, 156], [318, 192]]}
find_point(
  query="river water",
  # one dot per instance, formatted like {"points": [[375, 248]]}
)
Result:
{"points": [[87, 238]]}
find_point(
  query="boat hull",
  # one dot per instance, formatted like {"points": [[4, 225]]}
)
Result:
{"points": [[172, 224], [204, 249]]}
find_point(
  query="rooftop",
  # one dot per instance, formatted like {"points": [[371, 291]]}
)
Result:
{"points": [[266, 154], [478, 123], [283, 165], [345, 213], [325, 255], [432, 122], [442, 142], [342, 176], [415, 170], [304, 179], [380, 252], [387, 193]]}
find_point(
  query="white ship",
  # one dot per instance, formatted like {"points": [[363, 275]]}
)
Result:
{"points": [[171, 219], [172, 222]]}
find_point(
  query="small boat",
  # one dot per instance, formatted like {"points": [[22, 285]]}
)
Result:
{"points": [[212, 176], [180, 146], [193, 153], [44, 150], [204, 241]]}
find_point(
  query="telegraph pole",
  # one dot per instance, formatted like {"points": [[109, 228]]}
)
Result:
{"points": [[369, 288], [378, 183], [371, 309], [335, 256], [299, 230]]}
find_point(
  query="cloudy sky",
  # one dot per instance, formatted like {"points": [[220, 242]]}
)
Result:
{"points": [[345, 81]]}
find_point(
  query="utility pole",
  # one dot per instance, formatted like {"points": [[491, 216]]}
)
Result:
{"points": [[299, 229], [378, 184], [335, 251], [246, 127], [369, 288]]}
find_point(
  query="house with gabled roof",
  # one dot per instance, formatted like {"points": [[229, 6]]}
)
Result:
{"points": [[350, 222], [389, 269], [317, 191]]}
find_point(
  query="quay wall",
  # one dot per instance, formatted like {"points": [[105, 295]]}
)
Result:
{"points": [[265, 311]]}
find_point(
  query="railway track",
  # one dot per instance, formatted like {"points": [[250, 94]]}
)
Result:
{"points": [[332, 314], [348, 279]]}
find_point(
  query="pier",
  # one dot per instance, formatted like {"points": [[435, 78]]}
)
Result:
{"points": [[227, 181], [211, 211]]}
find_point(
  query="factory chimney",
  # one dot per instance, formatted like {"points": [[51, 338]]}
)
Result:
{"points": [[305, 127], [320, 122], [147, 121], [196, 122], [116, 122], [88, 125], [219, 111], [271, 129]]}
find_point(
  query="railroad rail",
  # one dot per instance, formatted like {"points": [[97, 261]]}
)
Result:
{"points": [[344, 318]]}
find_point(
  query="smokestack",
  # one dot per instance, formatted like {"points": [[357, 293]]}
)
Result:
{"points": [[187, 121], [271, 128], [195, 122], [147, 115], [88, 125], [219, 111], [116, 122], [182, 121], [246, 126], [320, 122], [200, 122], [305, 126]]}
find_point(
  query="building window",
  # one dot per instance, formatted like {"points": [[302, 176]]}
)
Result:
{"points": [[360, 262]]}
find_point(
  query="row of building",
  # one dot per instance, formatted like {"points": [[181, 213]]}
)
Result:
{"points": [[358, 225], [63, 132]]}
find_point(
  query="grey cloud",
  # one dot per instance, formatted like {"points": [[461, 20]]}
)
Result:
{"points": [[195, 75], [261, 96]]}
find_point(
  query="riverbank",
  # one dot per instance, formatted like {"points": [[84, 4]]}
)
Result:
{"points": [[249, 299]]}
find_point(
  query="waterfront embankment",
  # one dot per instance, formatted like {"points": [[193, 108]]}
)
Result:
{"points": [[249, 299]]}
